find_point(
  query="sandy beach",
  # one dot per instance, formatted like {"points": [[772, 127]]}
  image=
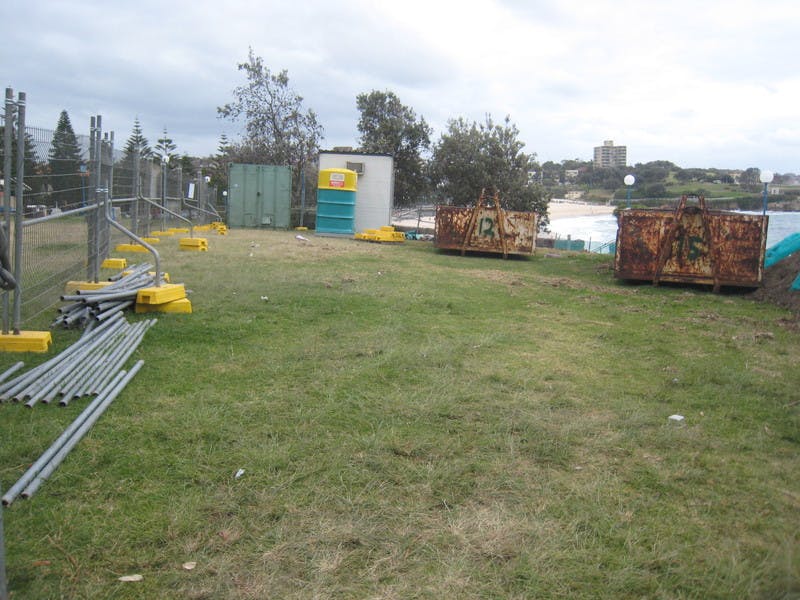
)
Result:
{"points": [[558, 209]]}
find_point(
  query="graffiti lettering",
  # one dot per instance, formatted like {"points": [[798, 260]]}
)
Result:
{"points": [[486, 227]]}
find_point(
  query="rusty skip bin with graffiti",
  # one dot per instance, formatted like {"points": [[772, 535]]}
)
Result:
{"points": [[691, 245], [486, 227]]}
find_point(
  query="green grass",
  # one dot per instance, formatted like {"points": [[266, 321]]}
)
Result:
{"points": [[414, 424]]}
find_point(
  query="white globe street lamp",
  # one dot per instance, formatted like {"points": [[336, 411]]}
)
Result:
{"points": [[766, 178], [629, 181]]}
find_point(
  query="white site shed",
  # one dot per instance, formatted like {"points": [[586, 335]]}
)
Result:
{"points": [[375, 193]]}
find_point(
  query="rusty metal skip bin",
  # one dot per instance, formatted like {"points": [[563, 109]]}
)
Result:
{"points": [[486, 227], [691, 245]]}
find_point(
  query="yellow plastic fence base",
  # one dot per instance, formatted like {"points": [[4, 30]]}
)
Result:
{"points": [[151, 240], [161, 294], [114, 263], [384, 234], [72, 286], [200, 244], [162, 233], [221, 228], [203, 228], [26, 341], [184, 306], [178, 229], [131, 248]]}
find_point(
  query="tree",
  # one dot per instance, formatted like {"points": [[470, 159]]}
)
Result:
{"points": [[31, 166], [389, 127], [124, 170], [217, 165], [750, 179], [66, 166], [165, 147], [470, 157], [278, 130], [137, 140]]}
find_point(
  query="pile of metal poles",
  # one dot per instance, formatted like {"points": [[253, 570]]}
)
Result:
{"points": [[83, 369], [55, 454], [93, 306]]}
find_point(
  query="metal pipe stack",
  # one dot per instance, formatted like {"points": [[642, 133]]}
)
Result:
{"points": [[33, 478], [87, 307], [83, 369]]}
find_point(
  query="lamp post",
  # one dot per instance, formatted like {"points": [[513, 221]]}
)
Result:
{"points": [[766, 178], [629, 181]]}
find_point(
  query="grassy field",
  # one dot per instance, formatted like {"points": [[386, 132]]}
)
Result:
{"points": [[415, 424]]}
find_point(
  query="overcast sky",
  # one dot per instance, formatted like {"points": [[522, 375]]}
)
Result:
{"points": [[700, 83]]}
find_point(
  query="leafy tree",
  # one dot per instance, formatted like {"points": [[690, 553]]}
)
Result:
{"points": [[66, 165], [389, 127], [750, 179], [471, 157], [278, 130]]}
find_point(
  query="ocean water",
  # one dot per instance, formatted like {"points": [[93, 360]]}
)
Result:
{"points": [[598, 230]]}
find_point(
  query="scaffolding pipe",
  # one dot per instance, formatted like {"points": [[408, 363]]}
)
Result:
{"points": [[99, 297], [102, 316], [133, 270], [59, 456], [76, 378], [87, 385], [12, 387], [48, 454], [61, 371], [11, 370], [127, 351]]}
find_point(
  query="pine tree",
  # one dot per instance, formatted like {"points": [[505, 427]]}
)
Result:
{"points": [[166, 147], [124, 172], [137, 140], [66, 165]]}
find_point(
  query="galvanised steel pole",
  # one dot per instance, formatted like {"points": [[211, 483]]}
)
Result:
{"points": [[8, 138], [91, 216], [19, 188], [113, 391], [98, 196], [3, 587], [136, 192]]}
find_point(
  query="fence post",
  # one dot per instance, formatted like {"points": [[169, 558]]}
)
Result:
{"points": [[3, 586], [19, 188], [136, 192], [8, 123], [98, 197], [91, 216]]}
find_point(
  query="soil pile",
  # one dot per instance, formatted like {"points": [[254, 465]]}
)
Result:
{"points": [[777, 281]]}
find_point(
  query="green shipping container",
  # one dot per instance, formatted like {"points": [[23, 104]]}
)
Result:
{"points": [[259, 196]]}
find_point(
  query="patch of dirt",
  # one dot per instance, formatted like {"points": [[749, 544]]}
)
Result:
{"points": [[776, 284]]}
